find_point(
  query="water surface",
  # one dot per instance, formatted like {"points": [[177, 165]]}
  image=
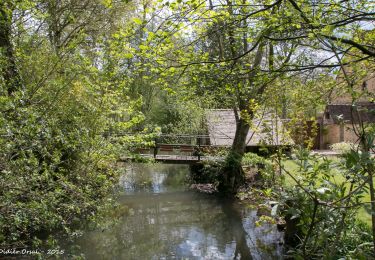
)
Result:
{"points": [[167, 221]]}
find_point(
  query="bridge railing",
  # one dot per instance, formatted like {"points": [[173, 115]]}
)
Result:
{"points": [[181, 144], [178, 144], [183, 139]]}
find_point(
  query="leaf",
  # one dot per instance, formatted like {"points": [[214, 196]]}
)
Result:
{"points": [[107, 3], [128, 55], [137, 20], [150, 36]]}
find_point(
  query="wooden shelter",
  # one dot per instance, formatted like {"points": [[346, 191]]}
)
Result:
{"points": [[266, 129]]}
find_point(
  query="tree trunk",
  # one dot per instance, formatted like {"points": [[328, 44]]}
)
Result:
{"points": [[239, 142], [232, 175], [9, 71]]}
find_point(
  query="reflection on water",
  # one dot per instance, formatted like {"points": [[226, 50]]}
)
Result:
{"points": [[166, 221], [157, 178]]}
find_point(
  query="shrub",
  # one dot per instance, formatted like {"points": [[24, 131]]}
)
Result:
{"points": [[343, 147], [54, 172], [206, 172], [260, 164], [319, 213], [57, 169]]}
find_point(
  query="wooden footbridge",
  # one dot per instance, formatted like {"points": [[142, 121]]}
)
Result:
{"points": [[176, 149], [219, 132]]}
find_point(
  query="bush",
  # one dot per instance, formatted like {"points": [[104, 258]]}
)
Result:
{"points": [[343, 147], [319, 214], [252, 159], [206, 172], [55, 171], [264, 167]]}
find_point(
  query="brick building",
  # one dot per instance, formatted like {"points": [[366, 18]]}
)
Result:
{"points": [[341, 118]]}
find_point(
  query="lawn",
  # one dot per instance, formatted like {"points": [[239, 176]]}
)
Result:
{"points": [[292, 167]]}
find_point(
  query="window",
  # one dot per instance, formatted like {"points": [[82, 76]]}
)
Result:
{"points": [[327, 115], [364, 86]]}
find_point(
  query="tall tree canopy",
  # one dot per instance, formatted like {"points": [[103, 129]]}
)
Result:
{"points": [[234, 50]]}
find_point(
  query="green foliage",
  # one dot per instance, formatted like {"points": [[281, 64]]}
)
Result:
{"points": [[357, 243], [252, 159], [232, 161], [343, 147], [74, 73], [322, 210], [173, 115], [206, 172], [54, 170], [263, 166], [57, 159]]}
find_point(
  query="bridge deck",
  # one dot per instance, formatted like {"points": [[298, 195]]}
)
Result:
{"points": [[172, 158]]}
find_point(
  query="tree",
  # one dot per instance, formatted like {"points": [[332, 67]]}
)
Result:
{"points": [[10, 72], [243, 47], [60, 92]]}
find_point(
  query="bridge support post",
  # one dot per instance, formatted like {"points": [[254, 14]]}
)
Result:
{"points": [[199, 149], [155, 147]]}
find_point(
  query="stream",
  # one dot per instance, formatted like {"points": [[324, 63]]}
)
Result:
{"points": [[166, 220]]}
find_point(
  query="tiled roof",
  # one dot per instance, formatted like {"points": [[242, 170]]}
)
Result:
{"points": [[364, 112], [266, 129]]}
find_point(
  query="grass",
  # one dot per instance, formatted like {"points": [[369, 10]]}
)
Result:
{"points": [[293, 168]]}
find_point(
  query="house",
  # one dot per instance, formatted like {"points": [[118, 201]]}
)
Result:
{"points": [[363, 90], [341, 118]]}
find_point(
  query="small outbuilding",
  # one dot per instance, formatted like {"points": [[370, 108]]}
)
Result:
{"points": [[266, 129]]}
